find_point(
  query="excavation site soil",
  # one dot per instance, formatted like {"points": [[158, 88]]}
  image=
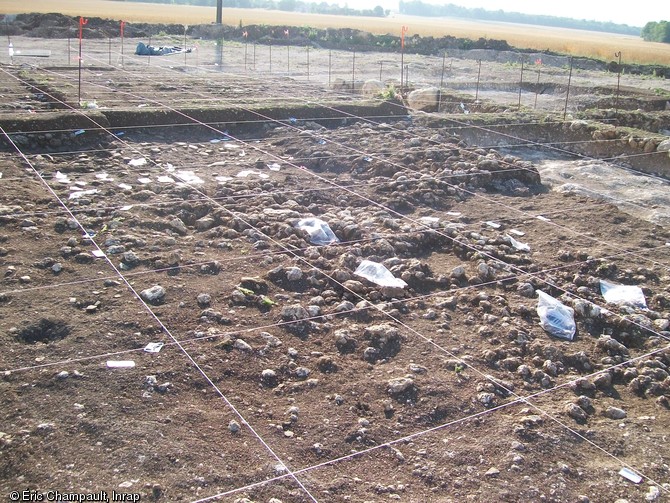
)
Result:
{"points": [[225, 281]]}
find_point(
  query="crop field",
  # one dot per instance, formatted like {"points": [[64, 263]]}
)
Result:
{"points": [[576, 42]]}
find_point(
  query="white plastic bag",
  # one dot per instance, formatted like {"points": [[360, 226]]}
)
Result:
{"points": [[318, 230], [555, 317], [378, 274], [517, 245], [623, 295]]}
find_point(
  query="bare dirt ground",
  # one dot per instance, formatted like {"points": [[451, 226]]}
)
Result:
{"points": [[284, 375]]}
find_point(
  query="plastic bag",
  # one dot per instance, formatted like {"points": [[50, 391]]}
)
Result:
{"points": [[378, 274], [555, 317], [623, 295], [517, 245], [318, 230]]}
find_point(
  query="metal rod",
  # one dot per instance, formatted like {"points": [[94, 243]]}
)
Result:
{"points": [[185, 28], [270, 57], [520, 85], [381, 67], [402, 67], [307, 62], [149, 58], [537, 86], [288, 60], [246, 49], [68, 50], [479, 73], [444, 62], [81, 34], [353, 72], [618, 83], [567, 94], [330, 65]]}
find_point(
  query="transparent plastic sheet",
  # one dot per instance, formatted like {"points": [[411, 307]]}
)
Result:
{"points": [[623, 295], [556, 318], [378, 274], [319, 231], [517, 245]]}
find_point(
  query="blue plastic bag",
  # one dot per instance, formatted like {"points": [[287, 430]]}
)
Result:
{"points": [[556, 318]]}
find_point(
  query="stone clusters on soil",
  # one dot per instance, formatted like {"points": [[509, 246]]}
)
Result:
{"points": [[321, 361]]}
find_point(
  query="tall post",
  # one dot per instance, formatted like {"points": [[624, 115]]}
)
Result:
{"points": [[353, 72], [381, 67], [403, 30], [444, 62], [149, 56], [330, 65], [185, 28], [479, 73], [307, 62], [82, 22], [69, 50], [219, 53], [110, 51], [219, 11], [245, 34], [270, 57], [288, 60], [520, 84], [123, 25], [567, 94], [538, 63], [618, 83]]}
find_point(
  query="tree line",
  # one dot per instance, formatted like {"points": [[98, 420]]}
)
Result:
{"points": [[285, 5], [657, 32], [418, 8]]}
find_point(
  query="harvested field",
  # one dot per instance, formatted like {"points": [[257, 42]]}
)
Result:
{"points": [[601, 46], [168, 209]]}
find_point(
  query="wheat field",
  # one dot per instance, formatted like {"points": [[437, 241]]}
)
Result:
{"points": [[575, 42]]}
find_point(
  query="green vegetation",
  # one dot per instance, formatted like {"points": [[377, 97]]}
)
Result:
{"points": [[657, 32], [418, 8], [389, 93]]}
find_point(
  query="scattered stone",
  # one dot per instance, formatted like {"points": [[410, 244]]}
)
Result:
{"points": [[204, 300], [302, 372], [399, 385], [242, 345], [427, 99], [486, 399], [153, 295], [615, 413], [492, 472], [576, 412], [234, 426], [269, 377], [526, 290], [293, 273]]}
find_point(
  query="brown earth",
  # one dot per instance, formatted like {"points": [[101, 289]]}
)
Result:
{"points": [[284, 375]]}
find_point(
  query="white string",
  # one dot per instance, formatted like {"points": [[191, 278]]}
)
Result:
{"points": [[419, 334]]}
